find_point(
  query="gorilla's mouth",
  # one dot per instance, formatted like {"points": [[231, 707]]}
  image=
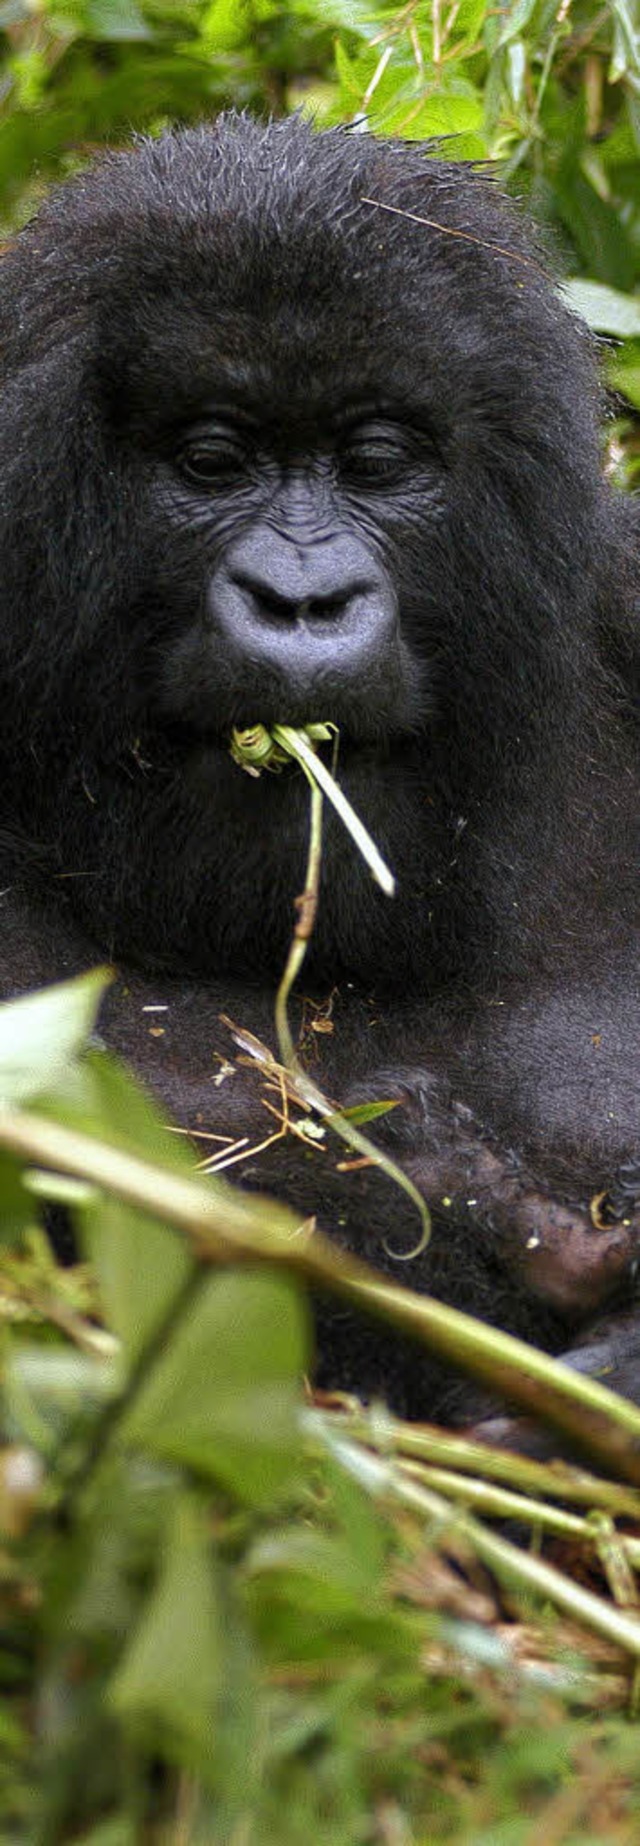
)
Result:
{"points": [[350, 732], [376, 694], [256, 747]]}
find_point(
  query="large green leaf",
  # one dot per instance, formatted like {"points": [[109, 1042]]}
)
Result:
{"points": [[166, 1687], [223, 1398], [43, 1033], [607, 310], [140, 1266], [140, 1263], [116, 19]]}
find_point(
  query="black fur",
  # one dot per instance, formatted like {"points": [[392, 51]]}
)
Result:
{"points": [[404, 530]]}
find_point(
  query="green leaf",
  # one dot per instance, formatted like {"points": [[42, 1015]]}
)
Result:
{"points": [[101, 1098], [167, 1685], [348, 15], [313, 1569], [17, 1210], [518, 17], [116, 1832], [42, 1034], [347, 73], [224, 1397], [116, 19], [455, 110], [47, 1388], [140, 1263], [604, 240], [364, 1535], [626, 53], [606, 310], [469, 19], [340, 1567], [116, 1548], [623, 372], [368, 1111]]}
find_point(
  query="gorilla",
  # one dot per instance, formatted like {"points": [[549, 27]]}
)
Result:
{"points": [[295, 428]]}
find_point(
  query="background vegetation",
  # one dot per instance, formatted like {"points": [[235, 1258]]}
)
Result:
{"points": [[230, 1615], [549, 88]]}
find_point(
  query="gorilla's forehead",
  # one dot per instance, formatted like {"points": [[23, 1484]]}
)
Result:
{"points": [[273, 264], [263, 354], [335, 254], [371, 270], [265, 327], [303, 396]]}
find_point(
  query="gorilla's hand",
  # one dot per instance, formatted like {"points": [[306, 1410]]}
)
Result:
{"points": [[572, 1254]]}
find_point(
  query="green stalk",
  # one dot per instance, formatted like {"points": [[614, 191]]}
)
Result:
{"points": [[257, 749], [297, 745], [306, 906]]}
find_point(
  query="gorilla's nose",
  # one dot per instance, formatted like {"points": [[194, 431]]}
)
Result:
{"points": [[303, 609]]}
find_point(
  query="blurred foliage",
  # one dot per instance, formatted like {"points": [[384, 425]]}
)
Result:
{"points": [[548, 88], [229, 1617], [551, 91]]}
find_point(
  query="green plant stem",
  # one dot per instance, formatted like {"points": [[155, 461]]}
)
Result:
{"points": [[320, 781], [224, 1225], [306, 906], [296, 743], [510, 1564], [380, 1430]]}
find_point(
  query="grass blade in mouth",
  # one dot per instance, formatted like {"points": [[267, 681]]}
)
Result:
{"points": [[256, 749]]}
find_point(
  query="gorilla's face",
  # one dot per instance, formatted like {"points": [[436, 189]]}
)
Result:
{"points": [[296, 614], [314, 422], [293, 430], [286, 490]]}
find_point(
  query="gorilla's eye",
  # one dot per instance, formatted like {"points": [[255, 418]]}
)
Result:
{"points": [[211, 453], [374, 452]]}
